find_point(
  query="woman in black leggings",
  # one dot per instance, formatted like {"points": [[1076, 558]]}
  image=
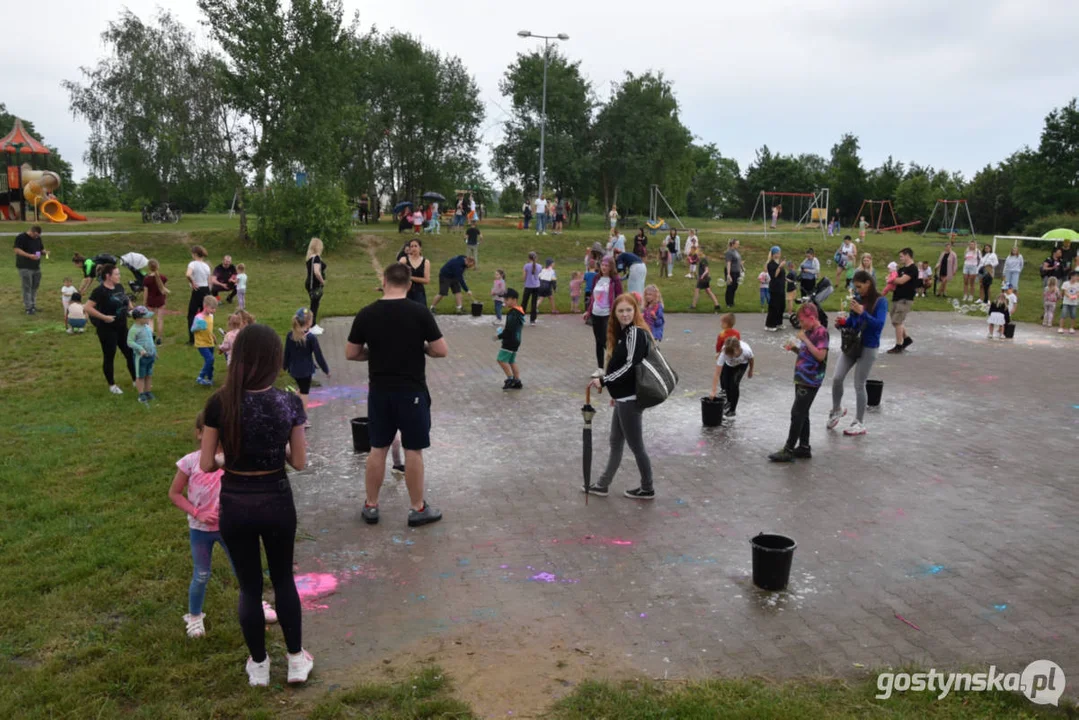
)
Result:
{"points": [[315, 280], [198, 277], [108, 308], [260, 429]]}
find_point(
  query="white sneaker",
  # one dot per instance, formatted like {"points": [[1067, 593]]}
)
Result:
{"points": [[269, 613], [115, 389], [856, 428], [834, 416], [599, 371], [317, 330], [195, 626], [71, 331], [258, 674], [299, 666]]}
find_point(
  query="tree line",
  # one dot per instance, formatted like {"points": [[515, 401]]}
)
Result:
{"points": [[294, 87]]}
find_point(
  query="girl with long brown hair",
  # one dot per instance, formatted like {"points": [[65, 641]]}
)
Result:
{"points": [[260, 429], [628, 341], [156, 296], [605, 289]]}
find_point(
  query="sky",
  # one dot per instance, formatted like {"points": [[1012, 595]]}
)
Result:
{"points": [[957, 84]]}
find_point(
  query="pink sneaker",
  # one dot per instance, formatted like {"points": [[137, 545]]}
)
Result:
{"points": [[269, 612]]}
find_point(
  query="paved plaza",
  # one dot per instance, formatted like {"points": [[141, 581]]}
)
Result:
{"points": [[955, 513]]}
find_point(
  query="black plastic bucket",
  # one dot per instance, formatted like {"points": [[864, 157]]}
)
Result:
{"points": [[361, 441], [874, 389], [477, 309], [712, 410], [1009, 330], [772, 556]]}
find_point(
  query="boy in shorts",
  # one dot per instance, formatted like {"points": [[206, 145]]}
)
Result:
{"points": [[511, 341]]}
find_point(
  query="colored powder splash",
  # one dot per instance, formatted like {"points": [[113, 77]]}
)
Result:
{"points": [[550, 578], [312, 587]]}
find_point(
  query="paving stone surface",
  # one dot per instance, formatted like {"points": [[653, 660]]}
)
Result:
{"points": [[957, 511]]}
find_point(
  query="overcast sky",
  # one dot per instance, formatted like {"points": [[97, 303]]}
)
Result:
{"points": [[954, 84]]}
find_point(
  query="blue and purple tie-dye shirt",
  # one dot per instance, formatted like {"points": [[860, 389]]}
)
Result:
{"points": [[807, 369]]}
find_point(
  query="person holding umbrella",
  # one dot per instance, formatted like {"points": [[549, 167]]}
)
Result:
{"points": [[628, 340], [403, 211]]}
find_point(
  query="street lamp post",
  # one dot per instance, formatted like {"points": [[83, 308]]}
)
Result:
{"points": [[543, 104]]}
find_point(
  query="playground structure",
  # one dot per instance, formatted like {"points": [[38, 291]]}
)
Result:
{"points": [[24, 186], [655, 222], [876, 216], [951, 219], [811, 208]]}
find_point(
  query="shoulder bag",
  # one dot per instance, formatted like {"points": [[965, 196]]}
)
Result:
{"points": [[655, 378]]}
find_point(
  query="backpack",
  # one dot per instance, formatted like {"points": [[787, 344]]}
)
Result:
{"points": [[655, 378]]}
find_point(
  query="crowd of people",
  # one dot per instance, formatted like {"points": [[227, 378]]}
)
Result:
{"points": [[234, 488]]}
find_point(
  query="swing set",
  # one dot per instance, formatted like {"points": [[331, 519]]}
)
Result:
{"points": [[655, 222], [876, 216], [950, 225], [811, 208]]}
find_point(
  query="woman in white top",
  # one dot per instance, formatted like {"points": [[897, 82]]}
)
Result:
{"points": [[989, 258], [198, 276], [972, 262], [606, 288]]}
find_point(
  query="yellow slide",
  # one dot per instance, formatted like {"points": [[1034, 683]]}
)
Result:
{"points": [[53, 209], [38, 192]]}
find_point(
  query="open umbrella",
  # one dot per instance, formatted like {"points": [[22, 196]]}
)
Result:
{"points": [[588, 412], [434, 196], [1061, 234], [402, 205]]}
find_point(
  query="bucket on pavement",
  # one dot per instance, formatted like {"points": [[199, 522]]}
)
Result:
{"points": [[1009, 330], [874, 389], [477, 309], [712, 410], [772, 556], [361, 441]]}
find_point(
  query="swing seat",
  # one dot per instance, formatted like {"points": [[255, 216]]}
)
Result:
{"points": [[658, 224]]}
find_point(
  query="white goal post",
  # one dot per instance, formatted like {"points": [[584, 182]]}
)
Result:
{"points": [[1014, 240]]}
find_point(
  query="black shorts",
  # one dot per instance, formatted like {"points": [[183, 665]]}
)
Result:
{"points": [[404, 411], [304, 384], [559, 217], [704, 284], [545, 288], [447, 286]]}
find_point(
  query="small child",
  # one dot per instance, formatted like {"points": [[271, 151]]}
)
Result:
{"points": [[236, 324], [498, 292], [576, 280], [1050, 298], [1012, 298], [76, 314], [998, 315], [511, 341], [692, 257], [792, 285], [203, 328], [925, 279], [766, 297], [301, 352], [893, 273], [1070, 292], [417, 222], [666, 262], [548, 283], [652, 311], [140, 338], [241, 286], [987, 281], [589, 282], [726, 324], [862, 225], [734, 361], [66, 292]]}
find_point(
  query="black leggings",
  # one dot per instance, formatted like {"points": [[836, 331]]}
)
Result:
{"points": [[732, 287], [599, 329], [194, 307], [253, 508], [316, 300], [803, 400], [730, 380], [112, 336], [777, 302], [534, 294]]}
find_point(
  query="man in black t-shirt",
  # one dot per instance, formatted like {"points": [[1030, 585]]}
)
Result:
{"points": [[472, 243], [224, 279], [393, 335], [906, 283], [28, 252]]}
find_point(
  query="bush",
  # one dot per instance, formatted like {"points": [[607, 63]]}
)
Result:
{"points": [[289, 216], [98, 193], [1039, 226]]}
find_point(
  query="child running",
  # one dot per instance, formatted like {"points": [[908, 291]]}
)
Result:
{"points": [[511, 341], [301, 352], [1050, 298], [652, 312], [731, 364], [704, 280], [203, 328], [498, 292], [140, 338]]}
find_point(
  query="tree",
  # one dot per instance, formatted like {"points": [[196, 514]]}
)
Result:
{"points": [[915, 197], [54, 161], [150, 105], [568, 156], [715, 188], [990, 195], [846, 177], [781, 173], [640, 142], [99, 193], [511, 200], [882, 181]]}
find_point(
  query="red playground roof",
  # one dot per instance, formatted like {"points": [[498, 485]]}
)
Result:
{"points": [[18, 134]]}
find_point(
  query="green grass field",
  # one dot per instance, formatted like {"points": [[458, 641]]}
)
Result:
{"points": [[97, 560]]}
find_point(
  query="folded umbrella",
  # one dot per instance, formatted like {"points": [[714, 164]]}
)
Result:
{"points": [[588, 412]]}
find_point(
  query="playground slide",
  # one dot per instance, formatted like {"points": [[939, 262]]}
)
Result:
{"points": [[71, 214], [54, 211]]}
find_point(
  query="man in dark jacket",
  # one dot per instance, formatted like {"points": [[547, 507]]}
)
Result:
{"points": [[451, 278]]}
